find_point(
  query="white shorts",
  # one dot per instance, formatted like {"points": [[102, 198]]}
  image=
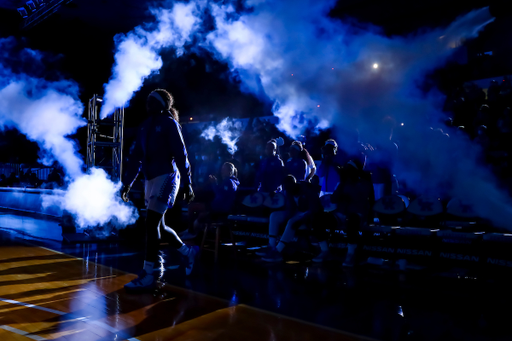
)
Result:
{"points": [[160, 192]]}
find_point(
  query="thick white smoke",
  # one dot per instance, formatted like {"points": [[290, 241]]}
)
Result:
{"points": [[137, 53], [48, 112], [228, 132], [44, 114], [95, 200], [311, 65]]}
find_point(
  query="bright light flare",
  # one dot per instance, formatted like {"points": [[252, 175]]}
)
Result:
{"points": [[375, 66]]}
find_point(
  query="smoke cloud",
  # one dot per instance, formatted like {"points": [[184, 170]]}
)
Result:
{"points": [[228, 132], [322, 72], [137, 53], [95, 201], [319, 70], [48, 112]]}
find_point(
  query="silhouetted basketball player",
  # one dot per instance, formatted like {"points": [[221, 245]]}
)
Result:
{"points": [[160, 154]]}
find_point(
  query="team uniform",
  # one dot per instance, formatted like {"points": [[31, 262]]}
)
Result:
{"points": [[298, 168], [270, 174], [328, 172], [159, 153], [164, 164]]}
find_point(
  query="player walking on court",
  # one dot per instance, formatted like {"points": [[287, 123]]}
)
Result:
{"points": [[160, 154]]}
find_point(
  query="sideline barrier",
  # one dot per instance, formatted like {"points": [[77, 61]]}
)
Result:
{"points": [[28, 200]]}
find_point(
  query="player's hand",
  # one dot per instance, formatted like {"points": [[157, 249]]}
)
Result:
{"points": [[124, 193], [189, 194]]}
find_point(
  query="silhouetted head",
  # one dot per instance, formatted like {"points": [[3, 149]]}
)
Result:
{"points": [[295, 149], [228, 170], [289, 183], [329, 149], [161, 101], [271, 148]]}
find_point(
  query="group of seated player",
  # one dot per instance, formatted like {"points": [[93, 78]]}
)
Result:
{"points": [[302, 184]]}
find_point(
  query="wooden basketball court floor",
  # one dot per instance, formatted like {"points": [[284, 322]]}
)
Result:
{"points": [[48, 295]]}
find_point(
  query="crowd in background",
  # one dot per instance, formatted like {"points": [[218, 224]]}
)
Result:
{"points": [[483, 117], [45, 178]]}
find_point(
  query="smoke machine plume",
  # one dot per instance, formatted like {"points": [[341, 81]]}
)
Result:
{"points": [[48, 112], [137, 57]]}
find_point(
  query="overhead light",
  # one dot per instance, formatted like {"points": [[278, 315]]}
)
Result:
{"points": [[31, 5], [375, 66], [23, 12]]}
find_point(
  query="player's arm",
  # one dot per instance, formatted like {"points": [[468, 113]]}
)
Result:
{"points": [[179, 151]]}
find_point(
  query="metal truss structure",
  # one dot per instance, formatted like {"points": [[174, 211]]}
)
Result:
{"points": [[105, 139], [40, 10]]}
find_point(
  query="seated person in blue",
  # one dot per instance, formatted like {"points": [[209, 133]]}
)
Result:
{"points": [[303, 207], [296, 165], [271, 170], [328, 171], [225, 195]]}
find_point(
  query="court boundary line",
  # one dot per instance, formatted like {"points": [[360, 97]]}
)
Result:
{"points": [[22, 332], [85, 319]]}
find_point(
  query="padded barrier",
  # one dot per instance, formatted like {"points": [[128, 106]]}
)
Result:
{"points": [[457, 237], [28, 200], [498, 237], [258, 220], [382, 229], [415, 232], [240, 218], [425, 245]]}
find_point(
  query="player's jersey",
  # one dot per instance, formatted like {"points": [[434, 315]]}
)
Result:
{"points": [[159, 149], [298, 168], [270, 174]]}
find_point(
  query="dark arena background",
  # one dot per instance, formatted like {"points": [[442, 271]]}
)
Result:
{"points": [[393, 117]]}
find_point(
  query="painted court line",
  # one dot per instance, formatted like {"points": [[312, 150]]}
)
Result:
{"points": [[28, 305], [57, 312], [21, 332]]}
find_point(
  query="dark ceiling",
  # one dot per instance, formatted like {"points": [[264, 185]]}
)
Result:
{"points": [[395, 16]]}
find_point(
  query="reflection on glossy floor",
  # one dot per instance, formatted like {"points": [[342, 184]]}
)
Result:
{"points": [[45, 295], [78, 295]]}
